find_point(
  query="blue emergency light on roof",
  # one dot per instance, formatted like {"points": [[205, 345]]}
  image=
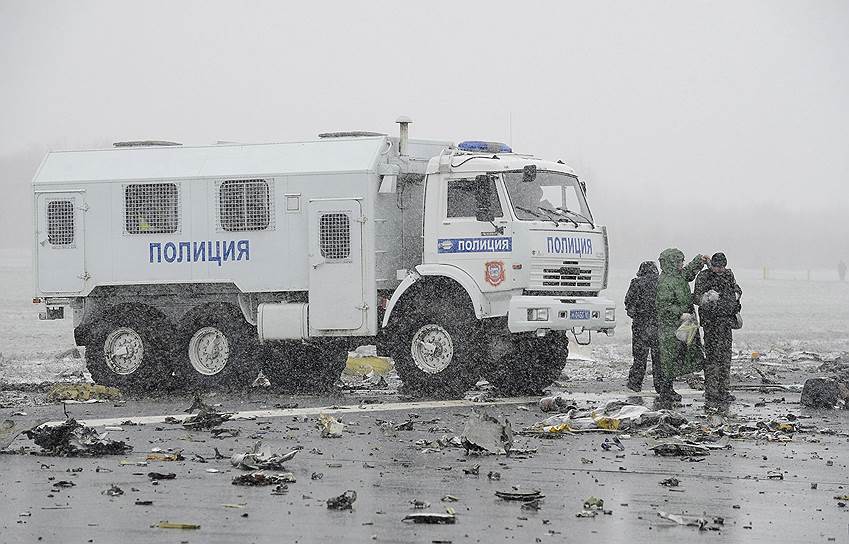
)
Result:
{"points": [[484, 147]]}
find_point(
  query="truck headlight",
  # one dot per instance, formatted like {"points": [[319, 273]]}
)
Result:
{"points": [[537, 314], [610, 314]]}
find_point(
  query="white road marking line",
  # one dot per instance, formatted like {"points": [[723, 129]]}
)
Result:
{"points": [[349, 409]]}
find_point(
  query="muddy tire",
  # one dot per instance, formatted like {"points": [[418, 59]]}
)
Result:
{"points": [[531, 365], [300, 367], [129, 349], [436, 347], [217, 348]]}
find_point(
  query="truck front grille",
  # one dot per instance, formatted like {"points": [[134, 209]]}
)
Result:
{"points": [[571, 275]]}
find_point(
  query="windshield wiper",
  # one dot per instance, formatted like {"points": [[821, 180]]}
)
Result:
{"points": [[535, 214], [585, 218], [566, 217]]}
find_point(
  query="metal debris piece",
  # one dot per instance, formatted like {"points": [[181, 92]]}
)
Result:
{"points": [[419, 504], [487, 432], [161, 476], [516, 495], [535, 504], [608, 444], [205, 420], [670, 482], [261, 478], [472, 471], [113, 491], [177, 456], [330, 426], [72, 439], [677, 449], [690, 521], [594, 503], [261, 457], [493, 475], [345, 501], [431, 518], [172, 525]]}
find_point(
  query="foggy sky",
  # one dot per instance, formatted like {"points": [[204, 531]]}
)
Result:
{"points": [[706, 125]]}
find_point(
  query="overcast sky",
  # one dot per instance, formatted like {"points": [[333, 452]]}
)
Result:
{"points": [[707, 125]]}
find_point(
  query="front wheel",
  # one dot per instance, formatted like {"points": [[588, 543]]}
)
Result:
{"points": [[436, 350], [531, 365]]}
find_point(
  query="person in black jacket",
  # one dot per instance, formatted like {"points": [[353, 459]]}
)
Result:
{"points": [[717, 295], [641, 308]]}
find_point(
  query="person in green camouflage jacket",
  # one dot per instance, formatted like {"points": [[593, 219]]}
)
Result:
{"points": [[673, 300]]}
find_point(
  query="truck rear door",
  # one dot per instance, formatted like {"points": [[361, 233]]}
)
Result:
{"points": [[336, 294], [60, 250]]}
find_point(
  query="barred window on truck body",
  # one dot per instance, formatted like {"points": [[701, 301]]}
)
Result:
{"points": [[334, 236], [151, 208], [244, 204], [60, 222]]}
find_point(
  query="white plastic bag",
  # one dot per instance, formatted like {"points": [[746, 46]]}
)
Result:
{"points": [[688, 328]]}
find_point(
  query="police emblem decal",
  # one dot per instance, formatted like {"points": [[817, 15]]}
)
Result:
{"points": [[494, 273]]}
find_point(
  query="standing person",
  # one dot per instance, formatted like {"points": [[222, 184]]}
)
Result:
{"points": [[841, 270], [673, 300], [641, 307], [718, 296]]}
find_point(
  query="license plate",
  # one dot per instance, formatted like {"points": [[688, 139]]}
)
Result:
{"points": [[579, 314]]}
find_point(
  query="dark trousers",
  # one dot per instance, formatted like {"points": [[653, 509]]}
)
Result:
{"points": [[644, 341], [718, 363]]}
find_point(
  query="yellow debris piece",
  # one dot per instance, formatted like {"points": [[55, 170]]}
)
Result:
{"points": [[82, 392], [171, 525], [360, 366]]}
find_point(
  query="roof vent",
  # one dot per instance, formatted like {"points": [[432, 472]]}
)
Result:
{"points": [[146, 143], [350, 134]]}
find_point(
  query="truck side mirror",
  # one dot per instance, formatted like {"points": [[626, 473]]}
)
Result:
{"points": [[483, 199], [529, 173]]}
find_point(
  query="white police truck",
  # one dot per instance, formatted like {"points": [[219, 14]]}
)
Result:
{"points": [[200, 266]]}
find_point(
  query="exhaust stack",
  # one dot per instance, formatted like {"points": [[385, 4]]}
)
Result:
{"points": [[405, 122]]}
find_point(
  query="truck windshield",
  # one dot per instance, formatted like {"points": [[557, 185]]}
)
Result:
{"points": [[552, 191]]}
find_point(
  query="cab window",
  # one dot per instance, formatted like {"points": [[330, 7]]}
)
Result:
{"points": [[462, 202]]}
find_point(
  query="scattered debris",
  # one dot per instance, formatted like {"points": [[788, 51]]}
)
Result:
{"points": [[473, 470], [330, 426], [486, 432], [556, 403], [608, 444], [177, 456], [82, 392], [113, 491], [670, 482], [431, 518], [261, 457], [72, 439], [493, 475], [345, 501], [261, 381], [261, 478], [419, 504]]}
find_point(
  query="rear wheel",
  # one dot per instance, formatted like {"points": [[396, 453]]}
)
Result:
{"points": [[436, 347], [301, 367], [217, 348], [129, 349], [531, 365]]}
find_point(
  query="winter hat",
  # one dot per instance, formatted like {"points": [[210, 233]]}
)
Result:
{"points": [[718, 259]]}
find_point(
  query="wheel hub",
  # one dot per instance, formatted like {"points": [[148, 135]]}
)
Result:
{"points": [[432, 349], [209, 351], [124, 351]]}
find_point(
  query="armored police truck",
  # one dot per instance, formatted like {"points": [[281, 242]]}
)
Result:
{"points": [[204, 265]]}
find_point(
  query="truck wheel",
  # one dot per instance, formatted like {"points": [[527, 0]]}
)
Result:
{"points": [[218, 351], [435, 349], [531, 366], [130, 352], [298, 367]]}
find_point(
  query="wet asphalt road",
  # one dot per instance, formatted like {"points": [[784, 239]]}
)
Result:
{"points": [[388, 471]]}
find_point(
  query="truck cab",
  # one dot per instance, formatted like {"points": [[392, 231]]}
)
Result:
{"points": [[516, 233]]}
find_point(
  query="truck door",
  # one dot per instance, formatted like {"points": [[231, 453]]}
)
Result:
{"points": [[60, 250], [483, 250], [336, 265]]}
